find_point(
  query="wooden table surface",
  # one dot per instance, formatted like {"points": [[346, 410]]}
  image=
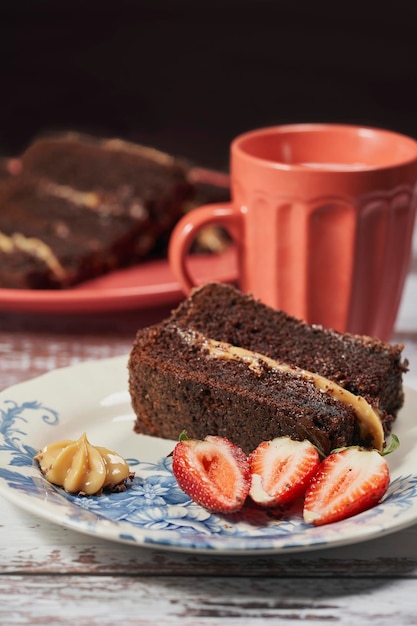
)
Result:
{"points": [[52, 575]]}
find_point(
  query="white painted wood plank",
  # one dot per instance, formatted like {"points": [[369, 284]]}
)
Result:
{"points": [[194, 600]]}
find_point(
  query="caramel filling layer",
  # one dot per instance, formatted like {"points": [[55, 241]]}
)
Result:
{"points": [[88, 199], [33, 247], [105, 204], [368, 418]]}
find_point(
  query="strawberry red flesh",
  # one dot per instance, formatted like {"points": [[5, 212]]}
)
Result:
{"points": [[347, 482], [281, 470], [213, 472]]}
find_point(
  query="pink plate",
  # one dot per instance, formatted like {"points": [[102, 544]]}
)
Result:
{"points": [[150, 284]]}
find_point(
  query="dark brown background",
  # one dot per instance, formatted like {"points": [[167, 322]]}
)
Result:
{"points": [[188, 76]]}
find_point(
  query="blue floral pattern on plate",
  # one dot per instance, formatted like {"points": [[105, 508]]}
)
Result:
{"points": [[153, 510]]}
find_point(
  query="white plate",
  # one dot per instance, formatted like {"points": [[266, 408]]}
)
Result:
{"points": [[154, 512]]}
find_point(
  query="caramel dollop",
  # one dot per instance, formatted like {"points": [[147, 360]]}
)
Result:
{"points": [[80, 467]]}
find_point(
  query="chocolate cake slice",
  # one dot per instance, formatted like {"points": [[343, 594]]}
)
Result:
{"points": [[226, 364], [73, 208]]}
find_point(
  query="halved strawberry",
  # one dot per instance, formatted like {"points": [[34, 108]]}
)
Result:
{"points": [[348, 481], [281, 470], [214, 472]]}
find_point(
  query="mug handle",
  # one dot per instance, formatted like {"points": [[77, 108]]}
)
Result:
{"points": [[221, 214]]}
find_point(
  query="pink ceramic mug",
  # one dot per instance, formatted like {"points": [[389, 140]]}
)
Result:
{"points": [[323, 217]]}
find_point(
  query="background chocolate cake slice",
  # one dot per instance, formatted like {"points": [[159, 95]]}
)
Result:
{"points": [[93, 205], [176, 383], [73, 208]]}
